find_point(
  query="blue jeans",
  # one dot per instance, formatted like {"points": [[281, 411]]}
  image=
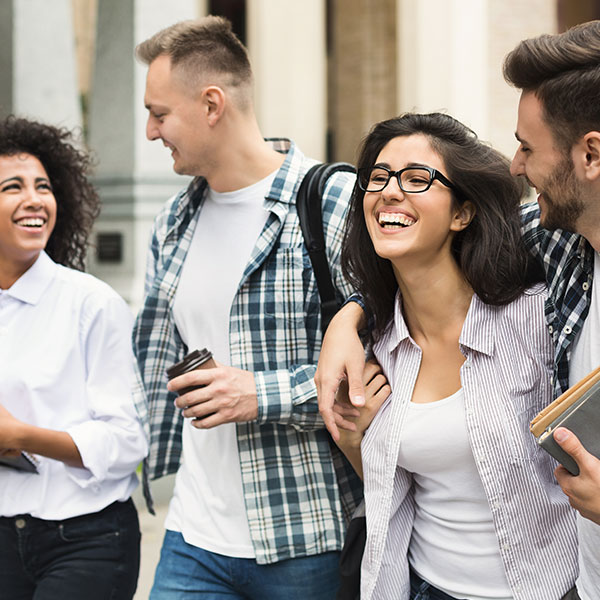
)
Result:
{"points": [[422, 590], [95, 556], [186, 572]]}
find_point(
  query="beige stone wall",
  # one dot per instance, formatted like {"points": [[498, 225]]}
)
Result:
{"points": [[511, 21], [387, 56], [362, 70], [84, 23]]}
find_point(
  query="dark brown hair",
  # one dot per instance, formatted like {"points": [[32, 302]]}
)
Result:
{"points": [[489, 251], [68, 168], [563, 70], [201, 46]]}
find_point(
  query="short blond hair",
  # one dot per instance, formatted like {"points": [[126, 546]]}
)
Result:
{"points": [[202, 47]]}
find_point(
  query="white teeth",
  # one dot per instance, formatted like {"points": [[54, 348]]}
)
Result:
{"points": [[32, 222], [387, 218]]}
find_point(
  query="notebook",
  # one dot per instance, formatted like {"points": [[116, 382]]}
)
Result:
{"points": [[22, 462], [578, 409]]}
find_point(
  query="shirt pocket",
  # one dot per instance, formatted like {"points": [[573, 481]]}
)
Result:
{"points": [[290, 293], [528, 391]]}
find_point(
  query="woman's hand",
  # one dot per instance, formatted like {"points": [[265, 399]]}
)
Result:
{"points": [[353, 421], [342, 359], [8, 433], [16, 436]]}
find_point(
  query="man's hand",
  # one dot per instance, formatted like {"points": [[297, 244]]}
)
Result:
{"points": [[583, 490], [228, 396], [342, 358]]}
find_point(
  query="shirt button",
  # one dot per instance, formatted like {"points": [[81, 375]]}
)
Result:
{"points": [[20, 523], [505, 547], [567, 330], [550, 328], [496, 505], [586, 286]]}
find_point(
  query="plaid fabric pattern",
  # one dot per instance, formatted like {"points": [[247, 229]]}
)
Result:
{"points": [[568, 261], [298, 491]]}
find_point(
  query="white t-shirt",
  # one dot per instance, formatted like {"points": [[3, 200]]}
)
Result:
{"points": [[66, 363], [208, 505], [453, 523], [585, 357]]}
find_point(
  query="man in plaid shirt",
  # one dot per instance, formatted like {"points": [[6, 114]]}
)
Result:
{"points": [[261, 495]]}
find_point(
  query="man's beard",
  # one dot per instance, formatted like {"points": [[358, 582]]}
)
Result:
{"points": [[562, 198]]}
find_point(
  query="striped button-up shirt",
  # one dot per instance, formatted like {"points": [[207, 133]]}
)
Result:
{"points": [[506, 381], [297, 488]]}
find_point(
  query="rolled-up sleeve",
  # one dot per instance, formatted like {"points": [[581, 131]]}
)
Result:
{"points": [[112, 441]]}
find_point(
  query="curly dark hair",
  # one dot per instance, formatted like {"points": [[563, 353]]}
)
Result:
{"points": [[68, 168], [489, 251]]}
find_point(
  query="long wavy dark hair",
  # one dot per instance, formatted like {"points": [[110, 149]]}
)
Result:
{"points": [[489, 251], [68, 168]]}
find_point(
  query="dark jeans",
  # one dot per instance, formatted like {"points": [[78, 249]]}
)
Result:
{"points": [[94, 557], [571, 595], [421, 590]]}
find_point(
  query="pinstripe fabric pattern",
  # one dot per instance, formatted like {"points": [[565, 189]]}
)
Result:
{"points": [[506, 381], [568, 260], [296, 499]]}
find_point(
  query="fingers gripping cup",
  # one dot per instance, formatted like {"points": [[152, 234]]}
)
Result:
{"points": [[198, 359]]}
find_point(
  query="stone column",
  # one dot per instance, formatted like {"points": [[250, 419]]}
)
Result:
{"points": [[362, 70], [443, 58], [286, 43], [450, 55], [37, 61], [134, 176]]}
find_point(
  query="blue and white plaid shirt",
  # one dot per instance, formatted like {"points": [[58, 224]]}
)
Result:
{"points": [[568, 261], [299, 492]]}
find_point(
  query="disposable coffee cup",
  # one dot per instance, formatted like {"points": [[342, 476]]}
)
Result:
{"points": [[198, 359]]}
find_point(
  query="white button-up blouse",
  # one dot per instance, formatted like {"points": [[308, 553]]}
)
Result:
{"points": [[66, 363]]}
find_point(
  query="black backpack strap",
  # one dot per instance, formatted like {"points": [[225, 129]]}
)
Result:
{"points": [[310, 214]]}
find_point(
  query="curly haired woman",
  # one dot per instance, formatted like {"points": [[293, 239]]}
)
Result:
{"points": [[68, 526]]}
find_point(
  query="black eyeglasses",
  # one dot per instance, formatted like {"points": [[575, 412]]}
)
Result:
{"points": [[412, 180]]}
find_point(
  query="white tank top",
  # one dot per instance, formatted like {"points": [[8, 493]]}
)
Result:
{"points": [[453, 545], [585, 357]]}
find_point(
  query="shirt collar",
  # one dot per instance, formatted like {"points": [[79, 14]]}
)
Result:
{"points": [[478, 332], [284, 184], [30, 287], [289, 177]]}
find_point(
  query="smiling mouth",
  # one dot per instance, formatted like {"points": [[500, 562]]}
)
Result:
{"points": [[31, 222], [394, 220]]}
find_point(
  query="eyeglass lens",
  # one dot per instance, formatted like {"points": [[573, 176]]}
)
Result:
{"points": [[415, 179]]}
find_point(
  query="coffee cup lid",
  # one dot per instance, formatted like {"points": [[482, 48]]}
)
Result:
{"points": [[189, 362]]}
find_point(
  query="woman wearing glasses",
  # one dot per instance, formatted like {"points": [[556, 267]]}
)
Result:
{"points": [[460, 503]]}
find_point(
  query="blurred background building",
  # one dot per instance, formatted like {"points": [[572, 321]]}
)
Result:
{"points": [[326, 70]]}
